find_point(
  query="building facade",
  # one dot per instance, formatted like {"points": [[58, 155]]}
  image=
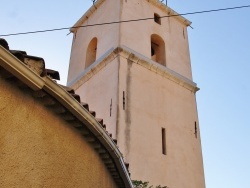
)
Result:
{"points": [[133, 67], [48, 138]]}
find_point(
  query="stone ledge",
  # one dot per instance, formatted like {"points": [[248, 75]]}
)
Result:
{"points": [[134, 57]]}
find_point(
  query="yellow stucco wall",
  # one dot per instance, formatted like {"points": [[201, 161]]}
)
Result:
{"points": [[39, 149]]}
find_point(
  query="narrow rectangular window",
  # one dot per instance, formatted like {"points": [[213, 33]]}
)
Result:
{"points": [[110, 108], [123, 100], [74, 36], [157, 18], [195, 129], [163, 138], [184, 33]]}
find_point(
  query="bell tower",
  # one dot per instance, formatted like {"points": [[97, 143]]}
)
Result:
{"points": [[130, 62]]}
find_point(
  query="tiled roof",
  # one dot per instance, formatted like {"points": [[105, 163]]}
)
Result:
{"points": [[68, 106]]}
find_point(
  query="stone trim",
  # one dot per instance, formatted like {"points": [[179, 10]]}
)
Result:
{"points": [[137, 58]]}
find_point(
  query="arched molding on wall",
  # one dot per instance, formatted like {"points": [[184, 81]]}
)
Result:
{"points": [[158, 51], [91, 52]]}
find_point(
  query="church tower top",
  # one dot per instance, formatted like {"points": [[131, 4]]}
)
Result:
{"points": [[157, 3], [144, 26]]}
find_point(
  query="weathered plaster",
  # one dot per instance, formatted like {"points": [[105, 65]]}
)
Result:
{"points": [[127, 109], [39, 149]]}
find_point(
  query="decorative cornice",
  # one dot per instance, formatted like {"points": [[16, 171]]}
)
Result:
{"points": [[93, 69], [137, 58]]}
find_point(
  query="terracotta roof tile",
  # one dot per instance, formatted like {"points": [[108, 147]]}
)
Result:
{"points": [[53, 74]]}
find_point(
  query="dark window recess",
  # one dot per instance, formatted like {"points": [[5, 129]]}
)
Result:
{"points": [[111, 108], [123, 100], [184, 33], [75, 36], [163, 139], [91, 52], [195, 129], [158, 53], [152, 50], [157, 18]]}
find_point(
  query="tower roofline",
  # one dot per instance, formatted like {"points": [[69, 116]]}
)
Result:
{"points": [[157, 3]]}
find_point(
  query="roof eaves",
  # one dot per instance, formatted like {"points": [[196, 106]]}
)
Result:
{"points": [[26, 75], [75, 108], [46, 84]]}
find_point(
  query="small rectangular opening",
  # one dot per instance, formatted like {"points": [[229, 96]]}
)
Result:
{"points": [[157, 18], [195, 129], [110, 108], [163, 135], [74, 38], [123, 100]]}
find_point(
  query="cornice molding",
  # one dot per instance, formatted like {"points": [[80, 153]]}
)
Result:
{"points": [[137, 58]]}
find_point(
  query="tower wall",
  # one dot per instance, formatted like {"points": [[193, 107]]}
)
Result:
{"points": [[99, 90], [136, 35], [154, 102], [107, 35]]}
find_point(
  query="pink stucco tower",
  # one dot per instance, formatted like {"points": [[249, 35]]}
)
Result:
{"points": [[137, 76]]}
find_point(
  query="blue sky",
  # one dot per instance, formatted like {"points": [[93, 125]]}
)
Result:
{"points": [[220, 54]]}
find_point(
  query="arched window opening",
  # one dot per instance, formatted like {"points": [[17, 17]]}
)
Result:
{"points": [[158, 49], [91, 52], [157, 18]]}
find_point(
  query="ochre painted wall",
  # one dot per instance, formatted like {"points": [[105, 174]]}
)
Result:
{"points": [[39, 149]]}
